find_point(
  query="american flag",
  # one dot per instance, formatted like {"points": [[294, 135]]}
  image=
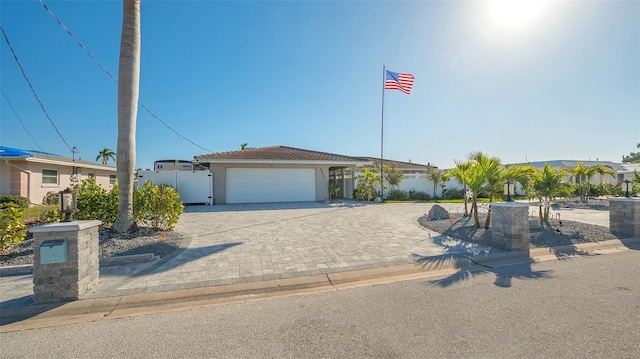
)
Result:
{"points": [[399, 81]]}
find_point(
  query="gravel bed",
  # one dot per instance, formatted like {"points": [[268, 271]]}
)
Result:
{"points": [[554, 233], [111, 244]]}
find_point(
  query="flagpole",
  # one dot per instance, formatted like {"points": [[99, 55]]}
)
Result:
{"points": [[382, 136]]}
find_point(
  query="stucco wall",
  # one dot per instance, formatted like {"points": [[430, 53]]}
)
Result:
{"points": [[26, 180]]}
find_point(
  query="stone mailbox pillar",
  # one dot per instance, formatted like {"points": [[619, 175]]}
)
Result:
{"points": [[624, 216], [66, 260], [510, 225]]}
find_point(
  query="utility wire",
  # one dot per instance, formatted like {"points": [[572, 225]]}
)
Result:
{"points": [[19, 119], [180, 137], [31, 87]]}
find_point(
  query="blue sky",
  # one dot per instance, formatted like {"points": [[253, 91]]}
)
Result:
{"points": [[563, 84]]}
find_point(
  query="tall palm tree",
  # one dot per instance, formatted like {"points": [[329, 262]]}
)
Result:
{"points": [[128, 88], [435, 175], [106, 155]]}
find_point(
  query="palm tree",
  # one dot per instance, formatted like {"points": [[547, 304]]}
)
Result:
{"points": [[548, 183], [106, 155], [128, 88], [582, 175], [494, 177], [459, 173], [436, 176], [243, 146]]}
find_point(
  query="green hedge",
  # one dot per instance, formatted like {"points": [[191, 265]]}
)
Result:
{"points": [[21, 202]]}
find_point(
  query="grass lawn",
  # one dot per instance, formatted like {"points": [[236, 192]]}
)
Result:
{"points": [[480, 200]]}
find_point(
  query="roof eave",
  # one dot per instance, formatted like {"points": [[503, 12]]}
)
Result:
{"points": [[256, 161], [69, 163]]}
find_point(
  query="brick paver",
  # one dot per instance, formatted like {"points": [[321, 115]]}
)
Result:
{"points": [[253, 242]]}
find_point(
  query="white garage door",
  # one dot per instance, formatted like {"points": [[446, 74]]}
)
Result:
{"points": [[256, 185]]}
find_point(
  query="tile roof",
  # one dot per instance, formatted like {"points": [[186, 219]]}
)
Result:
{"points": [[398, 164], [277, 153]]}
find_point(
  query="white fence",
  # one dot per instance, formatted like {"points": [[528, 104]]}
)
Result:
{"points": [[193, 186]]}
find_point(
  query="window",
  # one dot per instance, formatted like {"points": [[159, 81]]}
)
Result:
{"points": [[49, 177], [91, 175], [112, 179]]}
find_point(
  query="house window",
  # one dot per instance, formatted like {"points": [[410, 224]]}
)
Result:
{"points": [[112, 179], [49, 177], [91, 175]]}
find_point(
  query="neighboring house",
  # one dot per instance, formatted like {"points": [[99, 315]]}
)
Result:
{"points": [[626, 173], [415, 175], [33, 174], [278, 174], [570, 165]]}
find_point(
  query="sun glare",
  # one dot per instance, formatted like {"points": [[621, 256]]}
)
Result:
{"points": [[514, 13]]}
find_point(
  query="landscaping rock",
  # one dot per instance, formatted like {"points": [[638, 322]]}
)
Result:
{"points": [[437, 212]]}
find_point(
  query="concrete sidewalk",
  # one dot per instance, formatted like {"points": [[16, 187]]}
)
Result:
{"points": [[236, 244]]}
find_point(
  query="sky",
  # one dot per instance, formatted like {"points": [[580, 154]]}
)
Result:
{"points": [[531, 82]]}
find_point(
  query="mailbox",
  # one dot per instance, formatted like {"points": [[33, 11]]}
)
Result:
{"points": [[53, 251]]}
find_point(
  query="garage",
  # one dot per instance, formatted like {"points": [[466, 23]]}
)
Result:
{"points": [[259, 185]]}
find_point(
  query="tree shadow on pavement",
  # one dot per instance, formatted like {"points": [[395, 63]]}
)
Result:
{"points": [[180, 257], [471, 259]]}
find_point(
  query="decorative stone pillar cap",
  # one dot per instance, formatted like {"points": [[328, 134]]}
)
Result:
{"points": [[621, 199], [65, 226], [509, 204]]}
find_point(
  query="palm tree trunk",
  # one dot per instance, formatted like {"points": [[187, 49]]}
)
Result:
{"points": [[488, 220], [540, 212], [466, 212], [474, 208], [128, 87]]}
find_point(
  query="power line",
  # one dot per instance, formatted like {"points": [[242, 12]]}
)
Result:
{"points": [[180, 137], [19, 119], [31, 87]]}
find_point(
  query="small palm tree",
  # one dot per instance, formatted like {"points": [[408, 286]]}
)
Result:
{"points": [[106, 155], [459, 172], [547, 183], [243, 146], [436, 176]]}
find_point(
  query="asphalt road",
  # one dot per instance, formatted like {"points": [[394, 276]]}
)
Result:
{"points": [[584, 307]]}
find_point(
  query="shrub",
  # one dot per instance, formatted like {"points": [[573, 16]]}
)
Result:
{"points": [[19, 201], [421, 196], [158, 207], [95, 203], [398, 195], [368, 183], [50, 214], [454, 193], [12, 227]]}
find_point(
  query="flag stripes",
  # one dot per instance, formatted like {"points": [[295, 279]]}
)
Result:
{"points": [[399, 81]]}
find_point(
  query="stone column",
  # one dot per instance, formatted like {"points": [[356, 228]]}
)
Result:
{"points": [[624, 216], [510, 225], [66, 260]]}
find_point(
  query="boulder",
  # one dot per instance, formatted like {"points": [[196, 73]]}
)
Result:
{"points": [[437, 212]]}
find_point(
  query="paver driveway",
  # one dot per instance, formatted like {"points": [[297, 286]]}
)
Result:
{"points": [[237, 243]]}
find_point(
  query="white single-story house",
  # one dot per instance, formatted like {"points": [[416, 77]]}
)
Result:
{"points": [[33, 174], [278, 174]]}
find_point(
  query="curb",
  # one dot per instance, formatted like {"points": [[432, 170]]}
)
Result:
{"points": [[87, 310]]}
